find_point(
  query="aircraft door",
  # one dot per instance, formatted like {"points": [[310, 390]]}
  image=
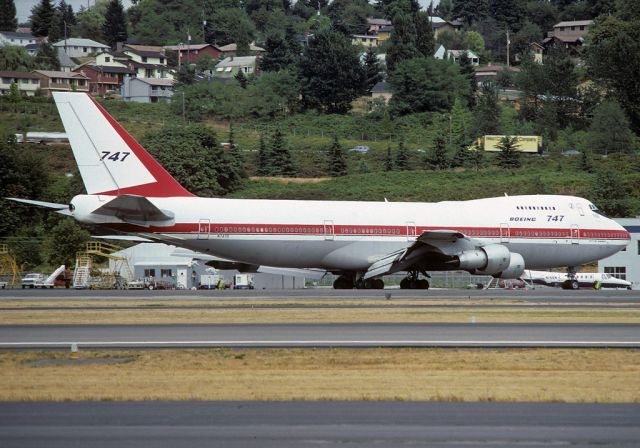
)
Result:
{"points": [[329, 232], [575, 234], [504, 232], [204, 228], [411, 231]]}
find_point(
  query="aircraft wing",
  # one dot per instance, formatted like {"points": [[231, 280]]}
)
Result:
{"points": [[432, 246], [136, 210]]}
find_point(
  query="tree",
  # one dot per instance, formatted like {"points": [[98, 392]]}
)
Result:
{"points": [[610, 193], [507, 13], [47, 57], [91, 21], [388, 161], [402, 157], [114, 28], [460, 156], [628, 10], [609, 131], [613, 58], [331, 73], [425, 40], [509, 156], [476, 156], [242, 80], [8, 20], [426, 85], [436, 159], [337, 165], [66, 239], [41, 18], [487, 112], [264, 167], [281, 160], [15, 58], [277, 55], [372, 73], [468, 71], [402, 46], [193, 156], [469, 11], [62, 23]]}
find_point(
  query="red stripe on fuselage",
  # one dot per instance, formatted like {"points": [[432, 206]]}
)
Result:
{"points": [[165, 185], [372, 230]]}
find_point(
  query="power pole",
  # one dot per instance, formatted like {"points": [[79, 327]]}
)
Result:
{"points": [[508, 44]]}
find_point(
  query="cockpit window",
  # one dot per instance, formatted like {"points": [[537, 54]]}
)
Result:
{"points": [[595, 209]]}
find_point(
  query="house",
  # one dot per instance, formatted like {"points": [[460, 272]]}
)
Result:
{"points": [[195, 52], [232, 49], [104, 79], [113, 59], [455, 55], [570, 34], [148, 64], [365, 40], [66, 63], [625, 264], [134, 47], [384, 33], [440, 25], [27, 83], [382, 90], [32, 49], [76, 47], [230, 66], [61, 81], [376, 24], [146, 90], [490, 72], [19, 39], [536, 51]]}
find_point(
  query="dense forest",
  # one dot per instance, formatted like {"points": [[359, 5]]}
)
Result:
{"points": [[310, 102]]}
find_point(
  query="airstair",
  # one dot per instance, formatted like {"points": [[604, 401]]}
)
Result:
{"points": [[87, 276]]}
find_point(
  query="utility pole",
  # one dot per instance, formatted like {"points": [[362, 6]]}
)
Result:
{"points": [[508, 44]]}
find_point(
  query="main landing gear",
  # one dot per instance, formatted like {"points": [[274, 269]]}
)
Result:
{"points": [[350, 282], [572, 282], [411, 281]]}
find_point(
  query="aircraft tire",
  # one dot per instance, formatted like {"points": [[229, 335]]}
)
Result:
{"points": [[422, 284], [405, 283], [575, 284]]}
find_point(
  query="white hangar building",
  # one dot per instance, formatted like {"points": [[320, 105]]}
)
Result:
{"points": [[626, 263]]}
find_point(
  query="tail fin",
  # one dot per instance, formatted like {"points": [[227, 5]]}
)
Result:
{"points": [[111, 162]]}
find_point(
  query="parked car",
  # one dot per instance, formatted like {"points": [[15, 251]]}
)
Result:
{"points": [[360, 149]]}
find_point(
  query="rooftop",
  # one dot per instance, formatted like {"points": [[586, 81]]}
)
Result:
{"points": [[187, 47], [156, 81], [147, 54], [79, 42], [237, 61], [22, 75], [15, 35], [56, 74], [234, 47], [574, 23]]}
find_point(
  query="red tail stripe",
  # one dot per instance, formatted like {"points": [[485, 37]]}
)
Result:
{"points": [[165, 185]]}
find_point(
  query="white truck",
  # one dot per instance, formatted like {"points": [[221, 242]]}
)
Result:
{"points": [[242, 281], [31, 280]]}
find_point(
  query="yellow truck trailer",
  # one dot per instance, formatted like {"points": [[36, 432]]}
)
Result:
{"points": [[526, 143]]}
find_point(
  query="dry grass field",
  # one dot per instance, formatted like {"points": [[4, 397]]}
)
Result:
{"points": [[557, 375]]}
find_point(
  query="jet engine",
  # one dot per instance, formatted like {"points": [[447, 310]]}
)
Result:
{"points": [[493, 259]]}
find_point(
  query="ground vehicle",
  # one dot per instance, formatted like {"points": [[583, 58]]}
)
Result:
{"points": [[3, 285], [32, 279], [360, 149], [209, 281], [242, 281]]}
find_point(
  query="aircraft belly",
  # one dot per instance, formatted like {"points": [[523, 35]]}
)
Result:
{"points": [[331, 255], [541, 256]]}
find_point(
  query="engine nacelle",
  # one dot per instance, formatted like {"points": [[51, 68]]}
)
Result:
{"points": [[490, 259], [515, 269]]}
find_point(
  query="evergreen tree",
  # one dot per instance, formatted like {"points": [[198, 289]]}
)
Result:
{"points": [[281, 160], [437, 158], [402, 157], [425, 40], [609, 131], [47, 57], [468, 71], [337, 165], [509, 156], [331, 73], [371, 69], [585, 161], [235, 156], [476, 157], [264, 159], [42, 18], [487, 111], [469, 11], [388, 161], [62, 23], [276, 56], [460, 157], [8, 20], [610, 193], [114, 28], [402, 42]]}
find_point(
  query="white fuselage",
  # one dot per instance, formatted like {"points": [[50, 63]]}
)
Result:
{"points": [[548, 231]]}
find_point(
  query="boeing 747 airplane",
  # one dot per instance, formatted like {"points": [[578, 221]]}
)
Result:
{"points": [[129, 192]]}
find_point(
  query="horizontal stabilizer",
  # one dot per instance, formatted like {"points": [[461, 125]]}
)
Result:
{"points": [[136, 210], [138, 239], [63, 209]]}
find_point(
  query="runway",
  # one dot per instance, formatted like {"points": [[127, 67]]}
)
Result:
{"points": [[327, 424], [322, 335]]}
